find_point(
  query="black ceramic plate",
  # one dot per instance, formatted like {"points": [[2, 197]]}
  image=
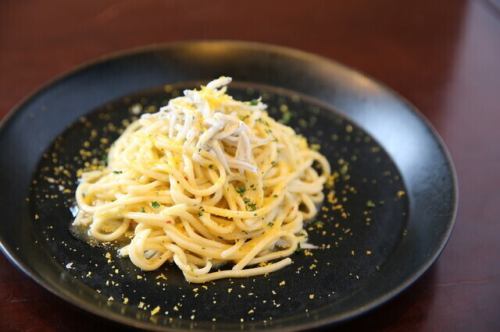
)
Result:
{"points": [[396, 195]]}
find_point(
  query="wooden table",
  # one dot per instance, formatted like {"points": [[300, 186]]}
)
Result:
{"points": [[444, 56]]}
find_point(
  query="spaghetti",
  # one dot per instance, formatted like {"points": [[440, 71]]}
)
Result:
{"points": [[210, 183]]}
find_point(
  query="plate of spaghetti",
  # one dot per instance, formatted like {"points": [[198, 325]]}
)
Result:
{"points": [[222, 186]]}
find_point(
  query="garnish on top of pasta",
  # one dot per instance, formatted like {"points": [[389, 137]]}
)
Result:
{"points": [[210, 183]]}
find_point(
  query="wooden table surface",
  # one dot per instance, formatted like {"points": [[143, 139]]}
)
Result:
{"points": [[444, 56]]}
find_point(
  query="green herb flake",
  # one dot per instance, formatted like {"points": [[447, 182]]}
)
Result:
{"points": [[250, 205], [344, 169], [117, 172], [155, 204], [370, 204], [287, 116], [254, 102], [241, 190]]}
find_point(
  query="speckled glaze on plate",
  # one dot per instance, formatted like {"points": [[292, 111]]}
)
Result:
{"points": [[395, 192]]}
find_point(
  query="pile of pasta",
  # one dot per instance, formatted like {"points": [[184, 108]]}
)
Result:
{"points": [[210, 183]]}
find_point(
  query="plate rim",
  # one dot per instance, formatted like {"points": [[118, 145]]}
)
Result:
{"points": [[10, 254]]}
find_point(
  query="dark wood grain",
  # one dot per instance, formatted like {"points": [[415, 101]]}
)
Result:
{"points": [[444, 56]]}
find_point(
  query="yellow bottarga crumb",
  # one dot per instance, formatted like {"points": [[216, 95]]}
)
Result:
{"points": [[155, 311]]}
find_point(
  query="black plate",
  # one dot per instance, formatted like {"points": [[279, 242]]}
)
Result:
{"points": [[396, 190]]}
